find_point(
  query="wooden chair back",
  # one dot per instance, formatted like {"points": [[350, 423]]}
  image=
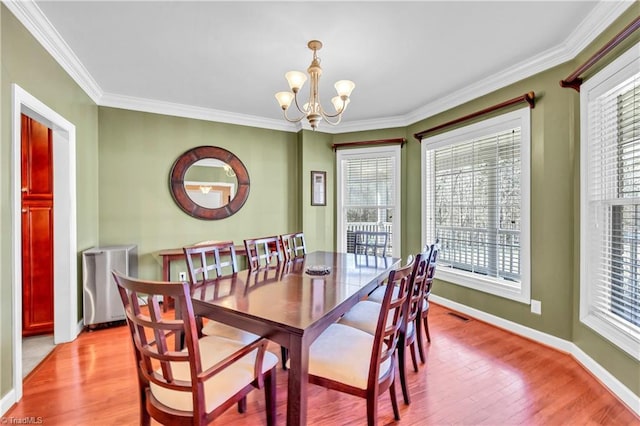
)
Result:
{"points": [[432, 261], [371, 243], [388, 332], [152, 334], [293, 245], [264, 251], [206, 261], [157, 363], [415, 295]]}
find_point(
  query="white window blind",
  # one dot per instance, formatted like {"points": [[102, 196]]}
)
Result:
{"points": [[477, 196], [610, 202], [474, 188]]}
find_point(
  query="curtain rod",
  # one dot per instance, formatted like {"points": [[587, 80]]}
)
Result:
{"points": [[400, 141], [527, 97], [574, 80]]}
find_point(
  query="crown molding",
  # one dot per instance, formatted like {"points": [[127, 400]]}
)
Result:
{"points": [[602, 15], [30, 15], [188, 111]]}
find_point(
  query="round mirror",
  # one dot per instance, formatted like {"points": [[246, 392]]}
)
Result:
{"points": [[208, 182]]}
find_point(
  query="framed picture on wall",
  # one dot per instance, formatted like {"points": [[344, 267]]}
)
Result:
{"points": [[318, 188]]}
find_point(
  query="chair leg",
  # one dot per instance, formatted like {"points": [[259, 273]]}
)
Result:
{"points": [[284, 352], [270, 396], [372, 410], [242, 405], [394, 400], [420, 343], [414, 360], [402, 369], [145, 418], [426, 326]]}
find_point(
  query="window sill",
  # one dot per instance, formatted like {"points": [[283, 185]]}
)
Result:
{"points": [[509, 290]]}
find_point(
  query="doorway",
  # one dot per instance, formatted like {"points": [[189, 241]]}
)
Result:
{"points": [[36, 158], [65, 256]]}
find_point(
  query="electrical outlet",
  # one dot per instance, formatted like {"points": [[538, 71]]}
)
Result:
{"points": [[536, 307], [182, 276]]}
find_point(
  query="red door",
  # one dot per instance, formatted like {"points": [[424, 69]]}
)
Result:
{"points": [[37, 228]]}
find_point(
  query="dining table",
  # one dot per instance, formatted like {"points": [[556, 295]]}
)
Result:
{"points": [[291, 304]]}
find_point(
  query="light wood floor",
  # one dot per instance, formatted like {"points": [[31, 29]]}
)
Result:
{"points": [[475, 374]]}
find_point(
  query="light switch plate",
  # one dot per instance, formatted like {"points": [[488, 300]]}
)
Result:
{"points": [[536, 307]]}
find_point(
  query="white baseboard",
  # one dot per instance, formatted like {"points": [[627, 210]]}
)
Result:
{"points": [[7, 402], [622, 392]]}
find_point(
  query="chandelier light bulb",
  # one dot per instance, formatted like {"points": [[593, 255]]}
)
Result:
{"points": [[344, 87], [296, 80], [339, 104], [284, 99]]}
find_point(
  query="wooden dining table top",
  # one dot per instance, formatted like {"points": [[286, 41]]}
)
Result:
{"points": [[289, 296]]}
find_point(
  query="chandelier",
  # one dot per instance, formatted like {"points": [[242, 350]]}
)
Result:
{"points": [[312, 109]]}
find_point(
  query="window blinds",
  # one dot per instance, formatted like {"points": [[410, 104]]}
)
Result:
{"points": [[475, 190], [369, 184], [613, 206]]}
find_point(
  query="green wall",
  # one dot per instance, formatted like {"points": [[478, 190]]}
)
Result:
{"points": [[318, 222], [136, 153], [27, 64]]}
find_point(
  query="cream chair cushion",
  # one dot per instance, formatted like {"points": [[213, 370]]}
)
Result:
{"points": [[364, 316], [377, 295], [220, 387], [342, 353], [214, 328]]}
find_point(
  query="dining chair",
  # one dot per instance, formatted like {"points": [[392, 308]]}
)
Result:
{"points": [[205, 265], [200, 382], [364, 316], [206, 258], [371, 243], [293, 245], [423, 316], [349, 360], [378, 294], [262, 251]]}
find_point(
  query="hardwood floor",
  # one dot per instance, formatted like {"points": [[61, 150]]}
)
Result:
{"points": [[475, 374]]}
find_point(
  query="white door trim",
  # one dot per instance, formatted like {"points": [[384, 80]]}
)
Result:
{"points": [[65, 274]]}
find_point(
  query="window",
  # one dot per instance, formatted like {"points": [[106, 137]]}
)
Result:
{"points": [[610, 202], [476, 202], [369, 195]]}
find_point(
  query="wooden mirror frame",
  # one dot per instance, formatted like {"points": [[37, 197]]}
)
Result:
{"points": [[182, 199]]}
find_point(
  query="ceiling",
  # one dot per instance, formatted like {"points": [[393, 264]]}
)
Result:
{"points": [[224, 61]]}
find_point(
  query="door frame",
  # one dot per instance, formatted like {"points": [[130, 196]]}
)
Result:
{"points": [[65, 267]]}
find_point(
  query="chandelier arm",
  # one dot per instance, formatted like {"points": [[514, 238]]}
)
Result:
{"points": [[294, 120], [333, 123], [295, 100], [337, 114], [326, 116]]}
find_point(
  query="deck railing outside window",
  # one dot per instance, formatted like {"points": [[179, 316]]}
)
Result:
{"points": [[352, 227]]}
